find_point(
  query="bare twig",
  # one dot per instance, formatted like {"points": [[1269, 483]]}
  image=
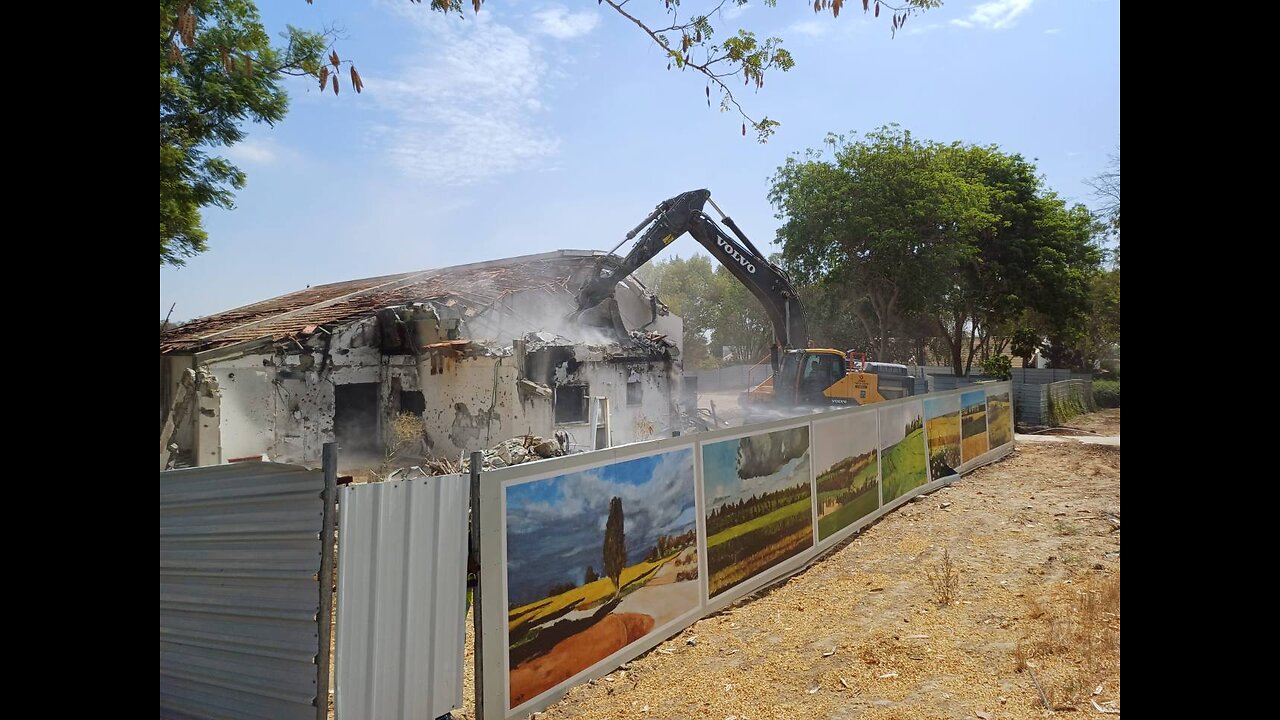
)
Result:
{"points": [[1043, 698]]}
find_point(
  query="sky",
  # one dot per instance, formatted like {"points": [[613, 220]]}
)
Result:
{"points": [[941, 406], [722, 483], [893, 422], [539, 125], [973, 401], [555, 526], [849, 436]]}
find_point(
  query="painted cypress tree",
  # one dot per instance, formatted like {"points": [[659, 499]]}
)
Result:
{"points": [[615, 545]]}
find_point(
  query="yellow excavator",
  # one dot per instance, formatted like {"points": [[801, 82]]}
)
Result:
{"points": [[802, 376]]}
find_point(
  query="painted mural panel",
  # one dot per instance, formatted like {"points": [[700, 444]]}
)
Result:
{"points": [[999, 419], [597, 559], [973, 424], [902, 451], [758, 504], [846, 455], [942, 430]]}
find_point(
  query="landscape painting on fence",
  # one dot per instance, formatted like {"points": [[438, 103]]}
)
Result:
{"points": [[596, 560], [902, 459], [846, 455], [999, 419], [942, 430], [759, 509], [973, 425]]}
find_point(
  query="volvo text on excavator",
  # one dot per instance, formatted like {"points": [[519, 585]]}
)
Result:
{"points": [[802, 375]]}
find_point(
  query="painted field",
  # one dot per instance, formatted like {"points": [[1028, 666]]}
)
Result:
{"points": [[759, 504], [596, 559], [903, 465], [973, 425], [847, 456]]}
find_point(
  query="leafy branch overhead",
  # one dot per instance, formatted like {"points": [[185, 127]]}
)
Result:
{"points": [[690, 45], [219, 70]]}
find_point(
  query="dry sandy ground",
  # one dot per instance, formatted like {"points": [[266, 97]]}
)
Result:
{"points": [[1035, 543], [1106, 422]]}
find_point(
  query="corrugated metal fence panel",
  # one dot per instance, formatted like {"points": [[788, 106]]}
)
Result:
{"points": [[1031, 403], [402, 591], [239, 594]]}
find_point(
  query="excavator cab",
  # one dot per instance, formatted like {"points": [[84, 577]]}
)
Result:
{"points": [[817, 377]]}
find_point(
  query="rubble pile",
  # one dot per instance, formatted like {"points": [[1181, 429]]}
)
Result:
{"points": [[519, 450], [653, 342]]}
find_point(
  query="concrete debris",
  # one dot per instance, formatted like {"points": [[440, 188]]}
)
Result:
{"points": [[539, 340], [516, 451], [639, 344], [654, 343]]}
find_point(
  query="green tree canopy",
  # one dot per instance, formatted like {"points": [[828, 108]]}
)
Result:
{"points": [[964, 236]]}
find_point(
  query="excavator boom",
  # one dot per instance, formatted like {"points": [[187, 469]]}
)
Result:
{"points": [[684, 214]]}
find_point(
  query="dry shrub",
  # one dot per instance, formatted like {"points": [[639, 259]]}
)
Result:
{"points": [[406, 432], [945, 580], [1085, 640], [1035, 610]]}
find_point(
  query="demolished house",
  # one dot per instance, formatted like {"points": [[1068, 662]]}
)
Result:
{"points": [[480, 353]]}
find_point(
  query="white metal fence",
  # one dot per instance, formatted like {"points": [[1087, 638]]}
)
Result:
{"points": [[402, 586]]}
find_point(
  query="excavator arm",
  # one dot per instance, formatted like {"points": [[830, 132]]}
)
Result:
{"points": [[684, 214]]}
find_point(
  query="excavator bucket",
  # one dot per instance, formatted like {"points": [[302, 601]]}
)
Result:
{"points": [[606, 316]]}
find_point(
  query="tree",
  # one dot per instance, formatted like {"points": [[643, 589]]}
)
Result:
{"points": [[853, 226], [615, 545], [1026, 341], [740, 327], [218, 70], [590, 576], [686, 287], [962, 235], [1106, 188]]}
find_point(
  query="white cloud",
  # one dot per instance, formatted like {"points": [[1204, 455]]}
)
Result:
{"points": [[812, 28], [733, 11], [920, 29], [561, 24], [994, 14], [464, 108], [1053, 31], [654, 506], [253, 152]]}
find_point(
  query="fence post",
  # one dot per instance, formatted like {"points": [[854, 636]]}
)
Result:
{"points": [[477, 617], [329, 462]]}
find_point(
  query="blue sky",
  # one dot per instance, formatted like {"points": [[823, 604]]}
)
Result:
{"points": [[941, 406], [722, 484], [541, 125], [555, 526], [973, 401]]}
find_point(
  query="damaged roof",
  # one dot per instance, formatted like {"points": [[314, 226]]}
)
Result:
{"points": [[471, 289]]}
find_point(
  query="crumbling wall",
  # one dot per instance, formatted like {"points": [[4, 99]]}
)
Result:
{"points": [[281, 400], [282, 403], [649, 419], [474, 402]]}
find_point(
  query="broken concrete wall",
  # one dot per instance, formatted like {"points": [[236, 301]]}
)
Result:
{"points": [[284, 400], [282, 403], [475, 402], [172, 369], [647, 417]]}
